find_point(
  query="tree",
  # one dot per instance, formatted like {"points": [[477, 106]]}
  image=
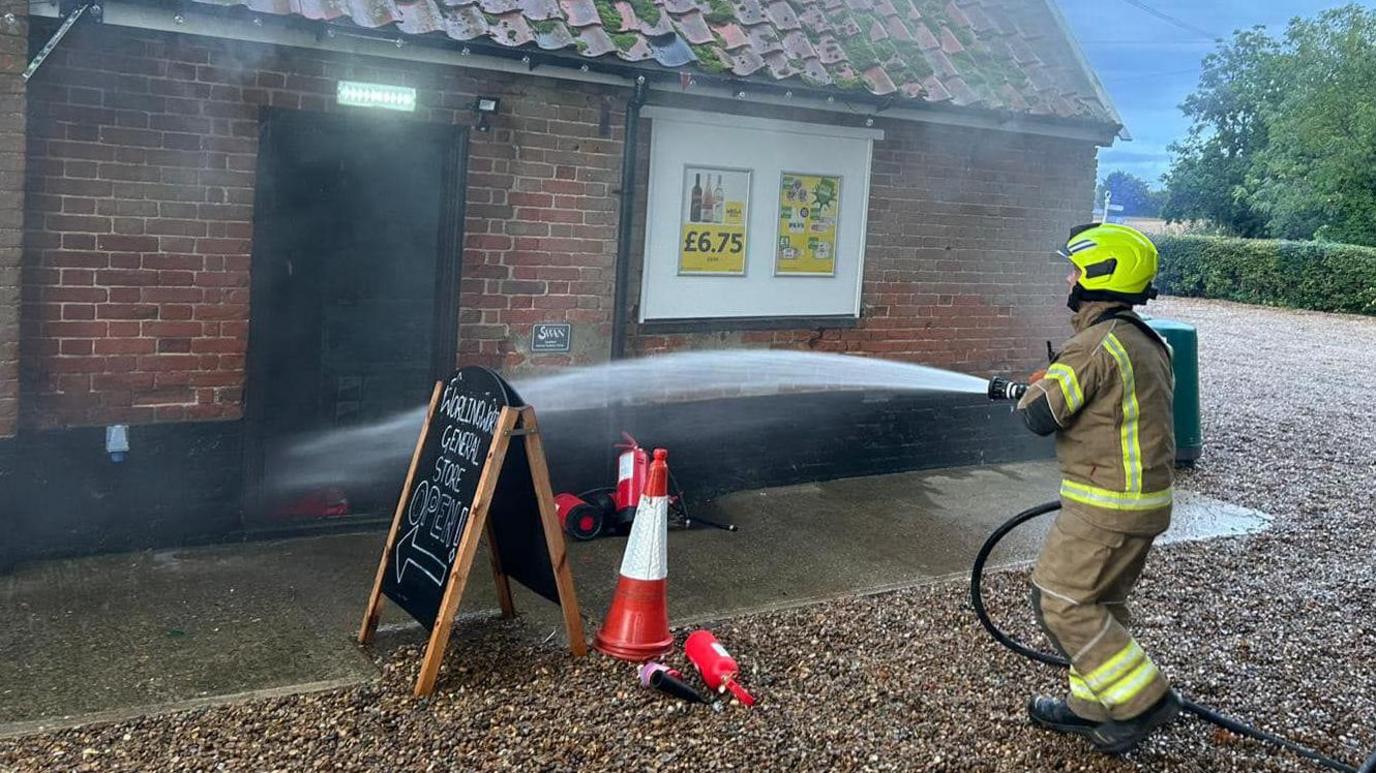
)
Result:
{"points": [[1283, 134], [1130, 191], [1317, 174], [1236, 88]]}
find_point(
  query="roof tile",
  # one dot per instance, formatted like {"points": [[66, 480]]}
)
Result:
{"points": [[779, 66], [897, 29], [797, 46], [815, 19], [499, 6], [733, 35], [693, 27], [580, 13], [419, 19], [814, 72], [950, 44], [935, 91], [925, 39], [596, 42], [745, 62], [671, 50], [764, 39], [465, 23], [666, 25], [940, 64], [956, 15], [511, 29], [554, 37], [779, 40], [629, 21], [540, 10], [961, 94], [829, 51], [638, 52], [748, 11], [879, 81], [781, 14], [848, 28]]}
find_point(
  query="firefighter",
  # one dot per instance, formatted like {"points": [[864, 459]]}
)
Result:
{"points": [[1107, 399]]}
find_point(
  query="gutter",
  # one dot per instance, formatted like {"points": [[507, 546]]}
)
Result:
{"points": [[626, 217]]}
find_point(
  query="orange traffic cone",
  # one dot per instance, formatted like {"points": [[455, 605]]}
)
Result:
{"points": [[637, 625]]}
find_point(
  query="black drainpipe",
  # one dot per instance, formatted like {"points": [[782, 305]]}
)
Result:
{"points": [[627, 217]]}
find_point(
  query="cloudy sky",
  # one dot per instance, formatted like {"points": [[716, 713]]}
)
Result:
{"points": [[1147, 53]]}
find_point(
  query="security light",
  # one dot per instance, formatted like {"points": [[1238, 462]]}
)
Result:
{"points": [[378, 95], [484, 107]]}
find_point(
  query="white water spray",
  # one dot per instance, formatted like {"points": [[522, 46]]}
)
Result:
{"points": [[377, 450]]}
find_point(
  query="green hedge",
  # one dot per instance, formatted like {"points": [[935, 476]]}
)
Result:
{"points": [[1322, 276]]}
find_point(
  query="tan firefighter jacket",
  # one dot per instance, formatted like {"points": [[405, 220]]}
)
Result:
{"points": [[1107, 396]]}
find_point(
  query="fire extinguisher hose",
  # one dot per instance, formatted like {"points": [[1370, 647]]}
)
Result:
{"points": [[1203, 712]]}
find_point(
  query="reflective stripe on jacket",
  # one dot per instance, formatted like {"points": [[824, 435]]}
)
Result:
{"points": [[1108, 399]]}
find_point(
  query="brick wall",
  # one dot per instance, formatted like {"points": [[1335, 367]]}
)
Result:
{"points": [[142, 156], [958, 267], [143, 150], [13, 58]]}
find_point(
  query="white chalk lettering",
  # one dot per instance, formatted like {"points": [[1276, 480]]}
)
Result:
{"points": [[479, 414]]}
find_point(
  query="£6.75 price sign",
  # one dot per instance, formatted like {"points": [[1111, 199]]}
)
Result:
{"points": [[713, 221]]}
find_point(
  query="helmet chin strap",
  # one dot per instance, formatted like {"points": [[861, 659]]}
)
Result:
{"points": [[1079, 296]]}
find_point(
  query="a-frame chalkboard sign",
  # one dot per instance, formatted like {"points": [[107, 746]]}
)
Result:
{"points": [[478, 468]]}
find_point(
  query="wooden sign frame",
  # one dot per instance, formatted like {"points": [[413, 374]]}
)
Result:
{"points": [[511, 422]]}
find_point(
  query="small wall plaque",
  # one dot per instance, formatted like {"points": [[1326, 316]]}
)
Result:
{"points": [[551, 337]]}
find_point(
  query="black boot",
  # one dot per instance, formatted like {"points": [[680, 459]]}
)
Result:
{"points": [[1055, 714], [1120, 736]]}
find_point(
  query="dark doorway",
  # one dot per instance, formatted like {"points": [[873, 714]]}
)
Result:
{"points": [[357, 240]]}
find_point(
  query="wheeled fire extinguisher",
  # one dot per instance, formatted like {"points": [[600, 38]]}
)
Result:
{"points": [[716, 666], [598, 512]]}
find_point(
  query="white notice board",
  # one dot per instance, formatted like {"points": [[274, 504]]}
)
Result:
{"points": [[768, 149]]}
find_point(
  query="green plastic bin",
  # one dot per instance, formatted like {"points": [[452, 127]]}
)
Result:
{"points": [[1184, 341]]}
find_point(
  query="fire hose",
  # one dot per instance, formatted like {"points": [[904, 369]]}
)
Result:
{"points": [[1203, 712]]}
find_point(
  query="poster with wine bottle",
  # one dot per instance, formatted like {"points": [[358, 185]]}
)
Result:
{"points": [[712, 239], [809, 206]]}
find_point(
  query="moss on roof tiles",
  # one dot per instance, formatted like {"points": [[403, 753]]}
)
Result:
{"points": [[646, 10], [544, 27], [708, 61], [625, 41], [721, 12], [611, 20]]}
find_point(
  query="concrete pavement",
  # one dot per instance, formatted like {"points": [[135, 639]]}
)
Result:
{"points": [[117, 635]]}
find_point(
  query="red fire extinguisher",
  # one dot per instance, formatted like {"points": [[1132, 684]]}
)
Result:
{"points": [[632, 470], [602, 511], [716, 666]]}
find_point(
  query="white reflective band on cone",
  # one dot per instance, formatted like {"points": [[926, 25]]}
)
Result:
{"points": [[647, 550]]}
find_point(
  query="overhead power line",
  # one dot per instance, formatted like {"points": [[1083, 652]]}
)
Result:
{"points": [[1172, 20]]}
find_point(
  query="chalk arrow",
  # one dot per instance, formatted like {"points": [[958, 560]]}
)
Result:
{"points": [[404, 557]]}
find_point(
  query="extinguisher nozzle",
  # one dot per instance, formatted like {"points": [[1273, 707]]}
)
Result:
{"points": [[744, 697]]}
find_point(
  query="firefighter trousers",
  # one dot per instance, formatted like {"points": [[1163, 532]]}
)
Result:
{"points": [[1080, 590]]}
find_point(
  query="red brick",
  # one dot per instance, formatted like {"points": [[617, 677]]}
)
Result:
{"points": [[125, 346], [172, 329]]}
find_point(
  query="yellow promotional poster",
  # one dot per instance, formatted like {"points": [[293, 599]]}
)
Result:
{"points": [[808, 211], [712, 239]]}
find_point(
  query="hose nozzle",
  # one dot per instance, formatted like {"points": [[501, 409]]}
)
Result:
{"points": [[1003, 389]]}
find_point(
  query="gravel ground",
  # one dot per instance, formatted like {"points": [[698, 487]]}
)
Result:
{"points": [[1277, 628]]}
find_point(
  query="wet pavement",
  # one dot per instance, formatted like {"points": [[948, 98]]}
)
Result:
{"points": [[121, 635]]}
